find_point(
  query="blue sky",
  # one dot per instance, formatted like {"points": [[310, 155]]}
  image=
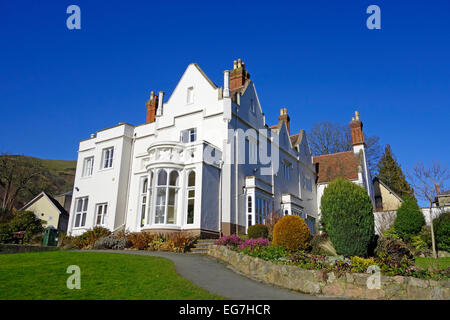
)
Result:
{"points": [[316, 58]]}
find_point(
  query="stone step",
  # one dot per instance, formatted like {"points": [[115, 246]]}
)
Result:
{"points": [[199, 250]]}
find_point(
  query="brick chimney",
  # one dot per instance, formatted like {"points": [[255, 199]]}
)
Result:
{"points": [[285, 117], [357, 133], [438, 191], [152, 106], [238, 75]]}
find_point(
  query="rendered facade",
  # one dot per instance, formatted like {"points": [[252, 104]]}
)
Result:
{"points": [[205, 162]]}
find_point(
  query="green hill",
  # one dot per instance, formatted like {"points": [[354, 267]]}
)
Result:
{"points": [[56, 177]]}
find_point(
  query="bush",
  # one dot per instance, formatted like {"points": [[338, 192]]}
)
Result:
{"points": [[321, 245], [258, 231], [139, 240], [252, 244], [441, 226], [5, 232], [28, 222], [395, 250], [88, 238], [110, 242], [347, 217], [390, 233], [410, 219], [180, 242], [292, 233], [269, 253]]}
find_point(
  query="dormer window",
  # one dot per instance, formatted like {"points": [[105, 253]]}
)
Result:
{"points": [[190, 95]]}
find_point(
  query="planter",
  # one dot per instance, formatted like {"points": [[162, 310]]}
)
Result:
{"points": [[350, 285]]}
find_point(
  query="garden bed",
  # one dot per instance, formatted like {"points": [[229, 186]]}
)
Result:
{"points": [[283, 272]]}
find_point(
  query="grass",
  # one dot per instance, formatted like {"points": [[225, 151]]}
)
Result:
{"points": [[440, 263], [42, 275]]}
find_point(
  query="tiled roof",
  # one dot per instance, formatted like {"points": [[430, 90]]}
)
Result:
{"points": [[332, 166]]}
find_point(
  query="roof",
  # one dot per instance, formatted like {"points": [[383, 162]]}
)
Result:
{"points": [[389, 189], [52, 200], [335, 165]]}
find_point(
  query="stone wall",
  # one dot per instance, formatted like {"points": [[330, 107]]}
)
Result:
{"points": [[350, 285], [21, 248]]}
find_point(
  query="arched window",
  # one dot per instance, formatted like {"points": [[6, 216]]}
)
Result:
{"points": [[166, 197], [190, 197]]}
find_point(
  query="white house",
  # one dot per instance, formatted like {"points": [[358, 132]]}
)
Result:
{"points": [[205, 162]]}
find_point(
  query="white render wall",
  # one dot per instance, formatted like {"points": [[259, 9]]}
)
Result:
{"points": [[221, 189]]}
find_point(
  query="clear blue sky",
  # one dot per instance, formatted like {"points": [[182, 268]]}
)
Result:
{"points": [[317, 58]]}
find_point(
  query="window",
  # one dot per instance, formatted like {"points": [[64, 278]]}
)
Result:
{"points": [[88, 166], [252, 105], [286, 170], [190, 197], [253, 151], [166, 197], [101, 211], [189, 135], [249, 211], [311, 223], [107, 157], [261, 210], [308, 184], [143, 199], [190, 95], [80, 212]]}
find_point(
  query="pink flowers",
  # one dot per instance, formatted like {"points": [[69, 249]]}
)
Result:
{"points": [[231, 240], [252, 244], [240, 244]]}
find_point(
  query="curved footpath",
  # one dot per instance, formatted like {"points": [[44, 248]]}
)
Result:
{"points": [[218, 278]]}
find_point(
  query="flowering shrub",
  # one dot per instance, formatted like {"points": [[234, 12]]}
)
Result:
{"points": [[252, 244], [231, 240], [292, 233]]}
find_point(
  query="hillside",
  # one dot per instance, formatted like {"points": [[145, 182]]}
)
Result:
{"points": [[56, 177]]}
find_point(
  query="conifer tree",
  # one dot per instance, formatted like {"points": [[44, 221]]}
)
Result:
{"points": [[391, 174]]}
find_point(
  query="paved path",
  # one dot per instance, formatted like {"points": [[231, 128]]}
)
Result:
{"points": [[218, 278]]}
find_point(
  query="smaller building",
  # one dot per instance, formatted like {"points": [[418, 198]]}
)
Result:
{"points": [[50, 210], [385, 198], [442, 198]]}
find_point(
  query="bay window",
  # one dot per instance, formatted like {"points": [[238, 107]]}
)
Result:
{"points": [[166, 197]]}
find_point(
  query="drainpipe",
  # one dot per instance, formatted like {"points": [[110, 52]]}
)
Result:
{"points": [[129, 178], [220, 197], [236, 174]]}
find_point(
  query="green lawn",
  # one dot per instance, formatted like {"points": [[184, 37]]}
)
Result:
{"points": [[42, 275], [442, 263]]}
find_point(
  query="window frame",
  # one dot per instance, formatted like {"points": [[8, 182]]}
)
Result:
{"points": [[110, 159], [104, 214], [86, 167], [82, 213]]}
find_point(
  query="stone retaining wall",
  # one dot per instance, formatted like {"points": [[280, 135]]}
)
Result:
{"points": [[21, 248], [351, 285]]}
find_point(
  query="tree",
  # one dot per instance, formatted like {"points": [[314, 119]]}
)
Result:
{"points": [[391, 174], [424, 180], [347, 217], [328, 137], [17, 175], [28, 222], [409, 220]]}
